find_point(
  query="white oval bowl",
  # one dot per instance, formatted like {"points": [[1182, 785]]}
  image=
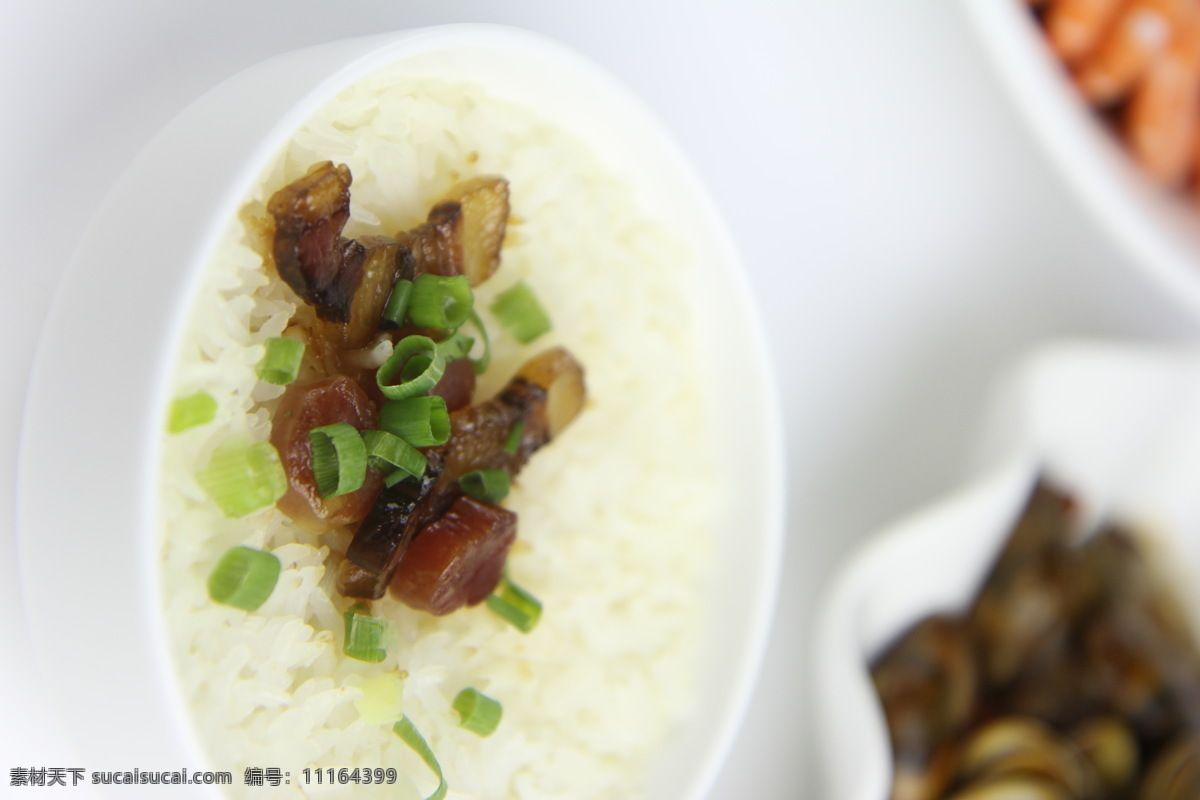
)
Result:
{"points": [[1118, 427], [99, 386], [1157, 229]]}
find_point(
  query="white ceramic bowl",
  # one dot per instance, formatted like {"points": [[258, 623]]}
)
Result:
{"points": [[1157, 229], [1116, 426], [87, 535]]}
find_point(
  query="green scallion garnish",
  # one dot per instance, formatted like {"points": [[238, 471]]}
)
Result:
{"points": [[481, 364], [364, 635], [515, 605], [419, 349], [440, 302], [397, 303], [244, 578], [395, 476], [488, 485], [382, 698], [477, 712], [421, 421], [339, 459], [519, 311], [409, 734], [387, 452], [281, 363], [241, 478], [513, 442], [192, 410], [456, 346]]}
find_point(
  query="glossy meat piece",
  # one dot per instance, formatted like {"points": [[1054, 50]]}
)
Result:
{"points": [[310, 253], [484, 205], [385, 261], [544, 396], [302, 408], [436, 245], [390, 525], [457, 385], [463, 233], [457, 560]]}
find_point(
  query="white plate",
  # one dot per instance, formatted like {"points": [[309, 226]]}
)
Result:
{"points": [[1116, 426], [1158, 229], [88, 538]]}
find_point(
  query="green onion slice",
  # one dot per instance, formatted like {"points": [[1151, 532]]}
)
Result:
{"points": [[520, 313], [244, 578], [513, 442], [241, 478], [409, 734], [390, 479], [364, 635], [339, 458], [456, 346], [421, 421], [477, 712], [192, 410], [488, 485], [515, 605], [424, 353], [397, 303], [440, 302], [481, 364], [386, 450], [281, 363]]}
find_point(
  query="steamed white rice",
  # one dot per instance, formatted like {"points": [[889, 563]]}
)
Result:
{"points": [[614, 517]]}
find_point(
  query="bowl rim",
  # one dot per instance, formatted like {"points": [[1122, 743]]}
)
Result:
{"points": [[1157, 230], [48, 418]]}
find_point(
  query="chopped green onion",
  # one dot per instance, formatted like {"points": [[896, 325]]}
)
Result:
{"points": [[397, 303], [409, 734], [339, 459], [481, 364], [364, 635], [411, 348], [281, 363], [513, 442], [382, 698], [421, 421], [241, 478], [244, 578], [440, 302], [188, 412], [515, 605], [477, 712], [519, 311], [385, 449], [397, 475], [456, 346], [489, 485]]}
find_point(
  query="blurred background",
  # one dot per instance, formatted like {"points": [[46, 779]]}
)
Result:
{"points": [[906, 239]]}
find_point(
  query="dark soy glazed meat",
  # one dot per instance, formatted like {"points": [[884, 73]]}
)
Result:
{"points": [[347, 281], [336, 399], [457, 560], [437, 548], [399, 512], [544, 396], [457, 385], [310, 253]]}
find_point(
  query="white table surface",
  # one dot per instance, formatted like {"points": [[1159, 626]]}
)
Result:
{"points": [[905, 237]]}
